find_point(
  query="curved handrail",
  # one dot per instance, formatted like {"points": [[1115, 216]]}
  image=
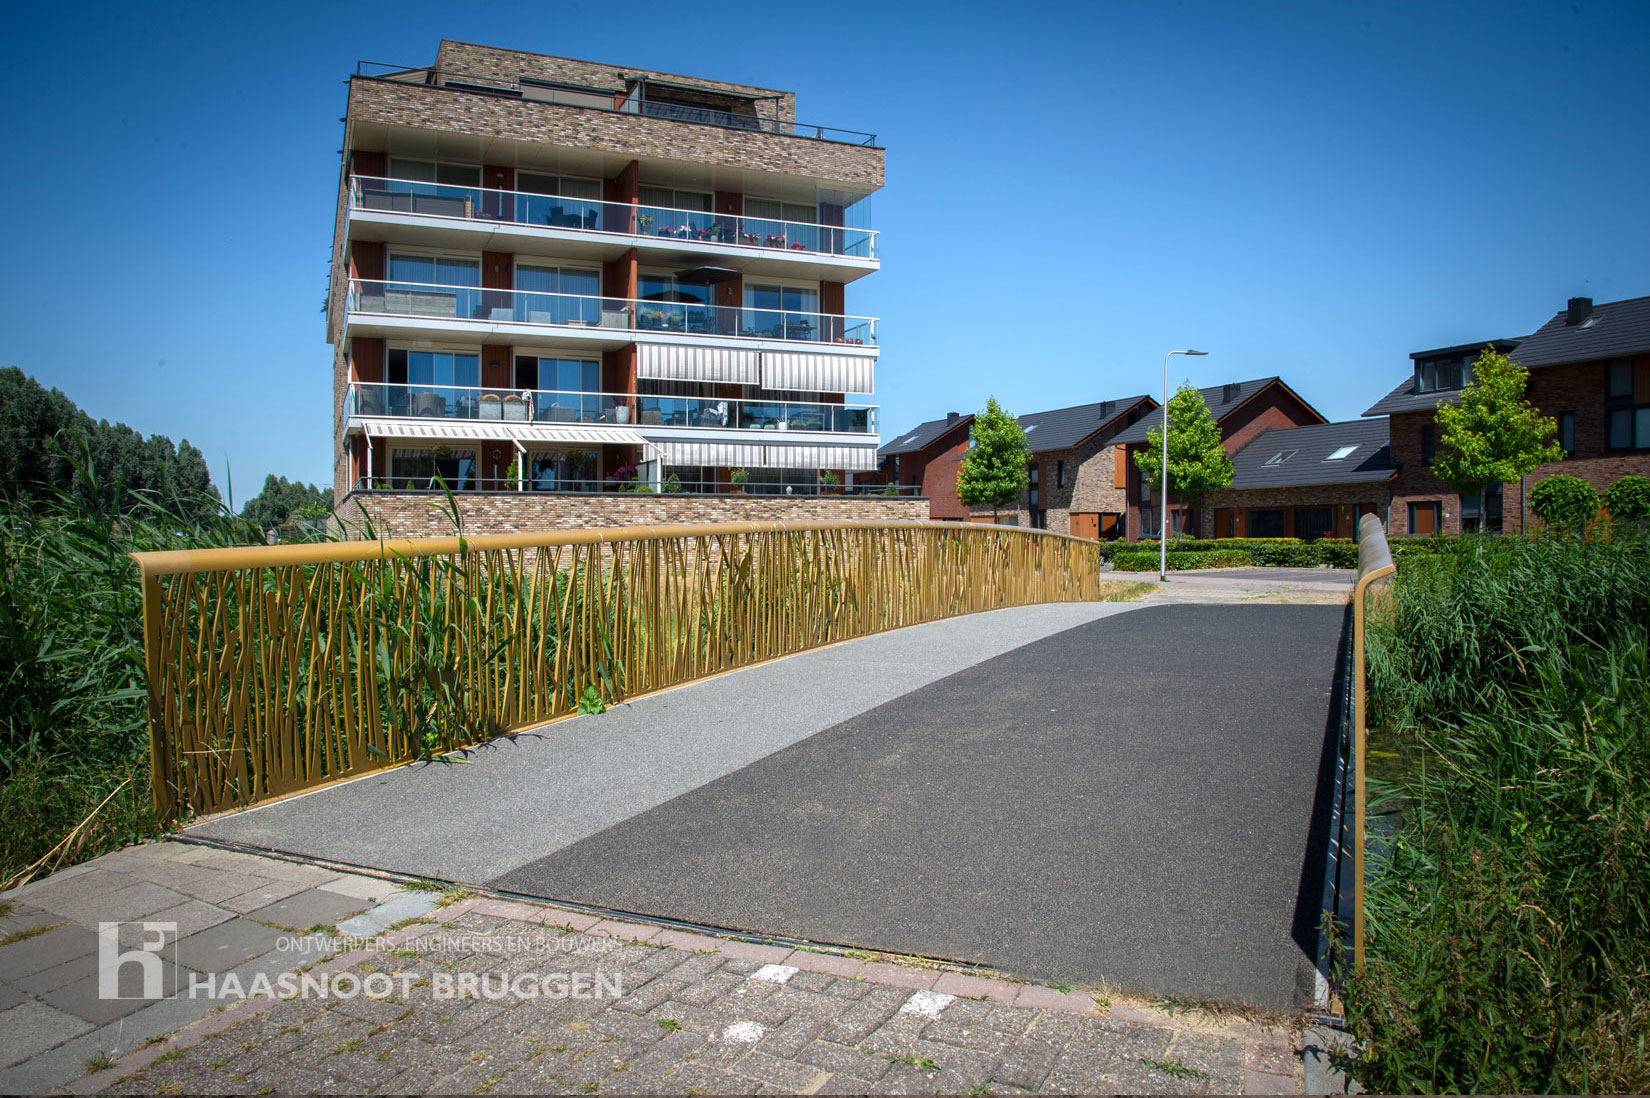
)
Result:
{"points": [[1374, 563]]}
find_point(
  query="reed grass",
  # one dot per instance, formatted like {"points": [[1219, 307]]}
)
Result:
{"points": [[1508, 909]]}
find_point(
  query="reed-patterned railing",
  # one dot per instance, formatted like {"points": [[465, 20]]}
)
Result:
{"points": [[274, 669]]}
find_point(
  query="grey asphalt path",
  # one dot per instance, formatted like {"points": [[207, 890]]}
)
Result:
{"points": [[1129, 801], [518, 800]]}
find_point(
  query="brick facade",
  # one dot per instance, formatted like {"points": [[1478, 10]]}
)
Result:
{"points": [[933, 470], [1227, 512], [1091, 488], [411, 514], [1575, 388]]}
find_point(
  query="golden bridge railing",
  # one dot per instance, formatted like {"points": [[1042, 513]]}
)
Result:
{"points": [[274, 669]]}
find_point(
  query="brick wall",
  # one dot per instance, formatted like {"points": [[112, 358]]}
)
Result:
{"points": [[1091, 488], [409, 514], [502, 64], [629, 135]]}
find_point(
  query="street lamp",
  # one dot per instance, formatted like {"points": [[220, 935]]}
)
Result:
{"points": [[1163, 485]]}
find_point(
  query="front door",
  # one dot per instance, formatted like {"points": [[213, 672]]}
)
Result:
{"points": [[1086, 526], [1423, 518]]}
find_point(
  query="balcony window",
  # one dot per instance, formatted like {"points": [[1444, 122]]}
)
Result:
{"points": [[557, 295], [429, 171], [781, 224], [672, 199], [673, 306], [781, 312], [419, 468], [434, 270], [567, 202], [565, 185], [564, 471], [432, 368]]}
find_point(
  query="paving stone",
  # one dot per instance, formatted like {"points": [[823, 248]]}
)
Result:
{"points": [[189, 917], [84, 999], [139, 900], [26, 918], [973, 987], [311, 908], [70, 886], [750, 951], [825, 962], [899, 976], [1027, 1063], [1221, 1061], [263, 895], [11, 996], [843, 1060], [359, 887], [47, 950], [1265, 1082], [33, 1027], [785, 1074], [1275, 1059], [222, 947], [57, 976], [399, 907], [1038, 997]]}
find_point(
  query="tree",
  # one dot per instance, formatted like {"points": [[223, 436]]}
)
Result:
{"points": [[1493, 435], [1198, 463], [994, 469], [281, 499]]}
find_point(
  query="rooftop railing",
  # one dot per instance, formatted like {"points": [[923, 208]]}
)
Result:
{"points": [[458, 402], [419, 299], [617, 102], [621, 218]]}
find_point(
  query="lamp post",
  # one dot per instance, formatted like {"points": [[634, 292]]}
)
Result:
{"points": [[1163, 485]]}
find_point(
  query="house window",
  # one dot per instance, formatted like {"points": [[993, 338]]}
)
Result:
{"points": [[1342, 454], [670, 199], [1619, 385], [1567, 432], [1031, 487], [1059, 474], [1312, 523], [1425, 518], [1267, 523], [1628, 425], [1434, 374], [440, 369], [563, 185], [781, 312], [556, 295], [1429, 443], [434, 270]]}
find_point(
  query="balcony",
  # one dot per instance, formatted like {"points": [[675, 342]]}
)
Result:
{"points": [[487, 209], [578, 318], [546, 406]]}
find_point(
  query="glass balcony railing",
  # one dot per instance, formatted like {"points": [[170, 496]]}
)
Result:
{"points": [[638, 409], [418, 299], [589, 215]]}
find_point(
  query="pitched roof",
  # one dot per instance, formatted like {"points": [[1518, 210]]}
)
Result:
{"points": [[1405, 398], [1305, 455], [1063, 428], [1614, 328], [920, 436], [1221, 399]]}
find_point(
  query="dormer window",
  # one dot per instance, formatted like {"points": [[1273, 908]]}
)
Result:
{"points": [[1442, 374]]}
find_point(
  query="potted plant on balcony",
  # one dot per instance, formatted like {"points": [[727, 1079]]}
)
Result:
{"points": [[623, 478], [829, 483], [512, 473], [739, 478], [645, 221]]}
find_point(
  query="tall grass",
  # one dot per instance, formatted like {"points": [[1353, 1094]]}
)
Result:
{"points": [[74, 752], [1509, 901]]}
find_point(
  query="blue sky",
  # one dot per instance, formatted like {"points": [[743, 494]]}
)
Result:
{"points": [[1306, 190]]}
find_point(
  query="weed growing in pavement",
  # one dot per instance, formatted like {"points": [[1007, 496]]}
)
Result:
{"points": [[1175, 1068]]}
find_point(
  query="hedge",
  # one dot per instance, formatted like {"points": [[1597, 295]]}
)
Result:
{"points": [[1180, 561], [1263, 552]]}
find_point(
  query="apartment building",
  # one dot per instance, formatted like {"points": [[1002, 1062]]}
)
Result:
{"points": [[923, 461], [1589, 369], [1243, 410], [1076, 481], [561, 286]]}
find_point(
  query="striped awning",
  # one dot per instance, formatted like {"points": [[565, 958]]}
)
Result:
{"points": [[668, 362], [586, 434], [748, 455], [797, 370], [731, 455]]}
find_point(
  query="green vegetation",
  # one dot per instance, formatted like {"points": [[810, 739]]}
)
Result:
{"points": [[1508, 907], [1176, 1068], [1223, 553], [1492, 435], [1198, 463], [1145, 561], [1628, 499], [1565, 502], [76, 497], [282, 500], [994, 468]]}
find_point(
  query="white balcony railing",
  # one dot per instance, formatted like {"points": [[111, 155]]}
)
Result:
{"points": [[622, 218], [427, 300], [468, 402]]}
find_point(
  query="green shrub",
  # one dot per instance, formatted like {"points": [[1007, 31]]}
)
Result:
{"points": [[1147, 560], [1564, 502], [1629, 498], [1338, 552]]}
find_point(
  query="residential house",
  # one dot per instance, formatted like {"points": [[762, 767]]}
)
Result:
{"points": [[555, 280], [923, 462], [1306, 482], [1242, 409], [1589, 370], [1073, 483]]}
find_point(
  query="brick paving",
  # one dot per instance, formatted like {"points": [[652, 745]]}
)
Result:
{"points": [[563, 1002]]}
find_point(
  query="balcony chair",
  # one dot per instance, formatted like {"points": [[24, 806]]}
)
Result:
{"points": [[429, 406], [651, 417]]}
